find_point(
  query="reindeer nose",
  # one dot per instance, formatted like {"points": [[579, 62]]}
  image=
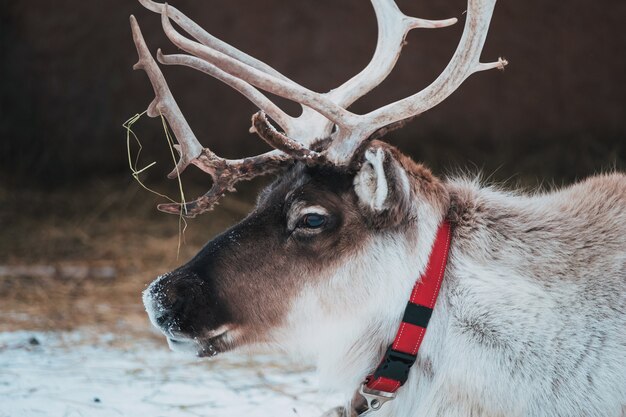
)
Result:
{"points": [[170, 299]]}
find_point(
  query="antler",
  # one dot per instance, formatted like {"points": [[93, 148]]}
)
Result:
{"points": [[225, 172], [465, 62], [393, 26], [324, 115]]}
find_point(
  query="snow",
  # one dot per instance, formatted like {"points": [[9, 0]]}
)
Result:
{"points": [[82, 373]]}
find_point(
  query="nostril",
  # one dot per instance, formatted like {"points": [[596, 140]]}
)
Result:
{"points": [[167, 313]]}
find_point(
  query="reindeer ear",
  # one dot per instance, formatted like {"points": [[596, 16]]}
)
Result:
{"points": [[382, 187], [370, 183]]}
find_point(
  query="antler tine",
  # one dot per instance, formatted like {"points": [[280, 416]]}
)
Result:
{"points": [[164, 103], [224, 172], [290, 90], [254, 95], [464, 62], [209, 40], [393, 26], [309, 126], [279, 141]]}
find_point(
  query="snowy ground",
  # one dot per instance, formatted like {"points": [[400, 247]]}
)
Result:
{"points": [[82, 374]]}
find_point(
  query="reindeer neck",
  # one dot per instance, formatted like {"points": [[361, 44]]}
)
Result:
{"points": [[360, 340]]}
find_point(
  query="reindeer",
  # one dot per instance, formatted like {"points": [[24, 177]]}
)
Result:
{"points": [[527, 317]]}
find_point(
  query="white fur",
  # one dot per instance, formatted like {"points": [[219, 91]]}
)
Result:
{"points": [[153, 308], [328, 320], [548, 354]]}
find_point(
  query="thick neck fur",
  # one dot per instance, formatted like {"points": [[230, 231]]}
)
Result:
{"points": [[530, 318], [358, 313]]}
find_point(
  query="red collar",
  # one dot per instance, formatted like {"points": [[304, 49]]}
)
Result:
{"points": [[393, 370]]}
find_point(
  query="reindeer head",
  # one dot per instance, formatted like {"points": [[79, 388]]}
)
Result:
{"points": [[344, 211]]}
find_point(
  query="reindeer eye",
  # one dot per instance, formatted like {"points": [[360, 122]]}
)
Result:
{"points": [[313, 221]]}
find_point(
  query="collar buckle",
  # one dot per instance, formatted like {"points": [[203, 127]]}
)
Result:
{"points": [[374, 398], [395, 365]]}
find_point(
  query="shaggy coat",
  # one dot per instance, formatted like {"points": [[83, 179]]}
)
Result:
{"points": [[530, 320]]}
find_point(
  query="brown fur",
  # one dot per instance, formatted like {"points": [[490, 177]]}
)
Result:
{"points": [[250, 284]]}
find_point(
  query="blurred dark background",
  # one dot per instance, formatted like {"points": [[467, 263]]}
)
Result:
{"points": [[557, 112]]}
